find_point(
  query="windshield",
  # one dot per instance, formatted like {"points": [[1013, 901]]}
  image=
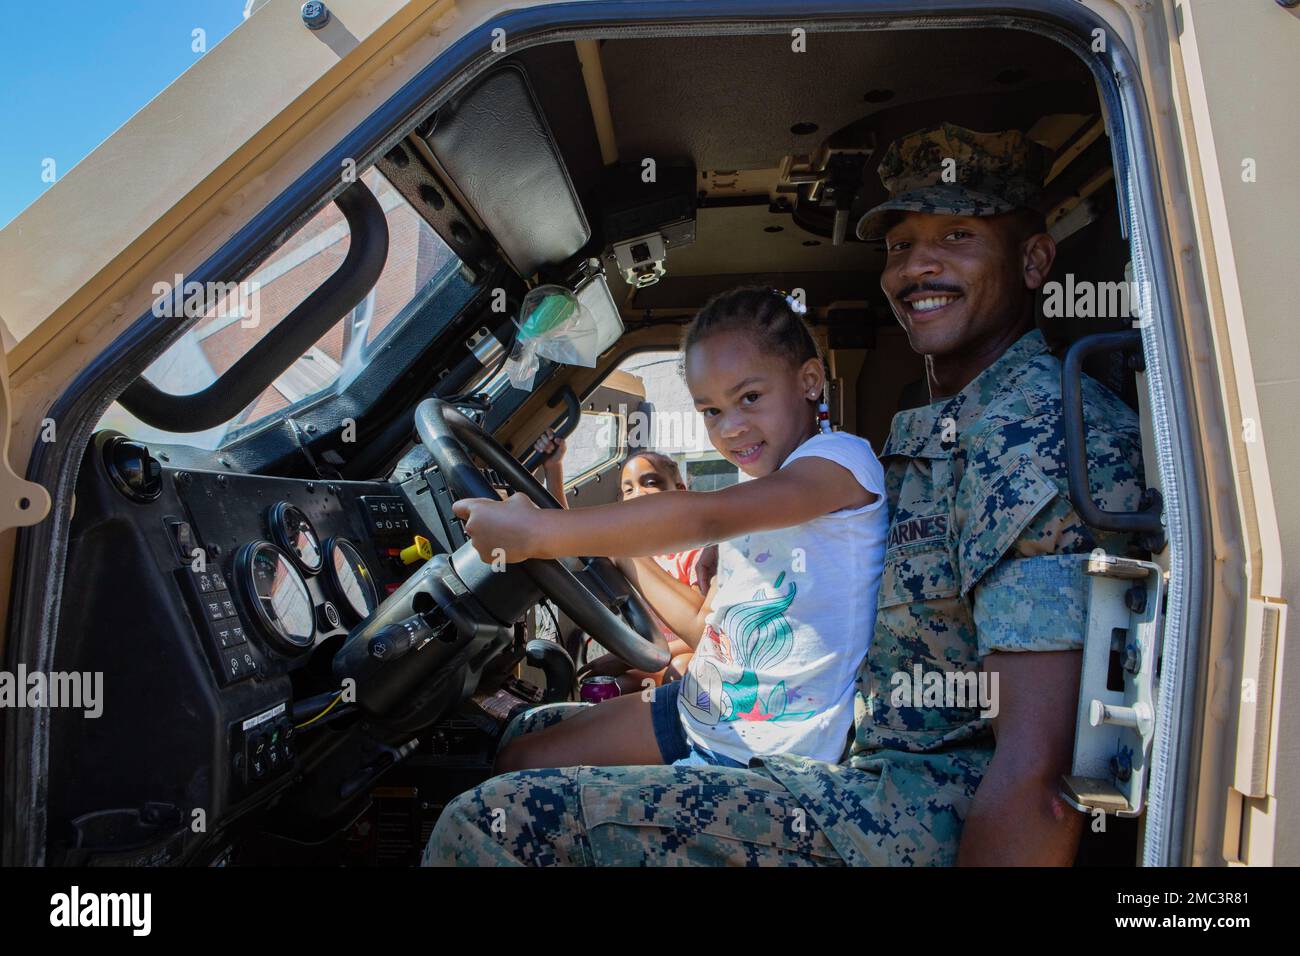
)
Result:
{"points": [[419, 264]]}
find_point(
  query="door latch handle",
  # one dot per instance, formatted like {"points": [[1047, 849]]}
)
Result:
{"points": [[1116, 717]]}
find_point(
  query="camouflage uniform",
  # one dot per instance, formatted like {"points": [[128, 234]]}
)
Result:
{"points": [[985, 554], [626, 816]]}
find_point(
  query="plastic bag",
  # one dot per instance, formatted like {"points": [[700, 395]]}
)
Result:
{"points": [[556, 326]]}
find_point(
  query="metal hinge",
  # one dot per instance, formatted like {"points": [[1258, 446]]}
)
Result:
{"points": [[1265, 624], [1116, 718], [487, 348], [22, 503]]}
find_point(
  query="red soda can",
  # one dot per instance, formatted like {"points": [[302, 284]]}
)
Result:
{"points": [[596, 689]]}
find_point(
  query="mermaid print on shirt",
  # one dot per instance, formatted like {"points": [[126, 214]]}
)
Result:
{"points": [[754, 636]]}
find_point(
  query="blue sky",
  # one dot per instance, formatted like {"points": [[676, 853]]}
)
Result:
{"points": [[73, 71]]}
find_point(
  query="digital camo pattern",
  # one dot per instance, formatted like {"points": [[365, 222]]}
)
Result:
{"points": [[985, 554], [990, 173], [539, 718], [628, 816], [892, 809], [899, 809], [981, 532]]}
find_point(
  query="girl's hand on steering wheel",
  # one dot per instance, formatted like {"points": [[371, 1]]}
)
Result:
{"points": [[501, 531]]}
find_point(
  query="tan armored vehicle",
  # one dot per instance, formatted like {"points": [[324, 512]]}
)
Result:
{"points": [[244, 624]]}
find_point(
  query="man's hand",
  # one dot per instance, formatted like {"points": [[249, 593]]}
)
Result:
{"points": [[504, 530], [1018, 817]]}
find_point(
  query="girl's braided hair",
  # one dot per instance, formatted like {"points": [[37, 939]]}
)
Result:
{"points": [[758, 311]]}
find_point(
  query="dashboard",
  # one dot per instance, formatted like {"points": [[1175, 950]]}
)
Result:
{"points": [[271, 580], [212, 604]]}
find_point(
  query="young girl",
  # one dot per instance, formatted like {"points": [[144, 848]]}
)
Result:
{"points": [[653, 473], [789, 614]]}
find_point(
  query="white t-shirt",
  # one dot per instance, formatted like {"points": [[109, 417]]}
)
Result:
{"points": [[790, 625]]}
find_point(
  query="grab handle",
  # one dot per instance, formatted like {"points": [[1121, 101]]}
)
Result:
{"points": [[1146, 521]]}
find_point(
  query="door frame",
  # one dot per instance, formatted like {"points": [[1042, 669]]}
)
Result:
{"points": [[40, 550]]}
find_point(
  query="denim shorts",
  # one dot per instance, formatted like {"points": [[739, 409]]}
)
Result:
{"points": [[674, 746]]}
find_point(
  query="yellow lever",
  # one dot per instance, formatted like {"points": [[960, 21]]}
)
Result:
{"points": [[422, 550]]}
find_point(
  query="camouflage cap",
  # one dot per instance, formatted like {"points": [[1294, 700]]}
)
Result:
{"points": [[954, 171]]}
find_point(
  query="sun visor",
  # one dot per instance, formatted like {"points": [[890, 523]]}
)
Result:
{"points": [[494, 144]]}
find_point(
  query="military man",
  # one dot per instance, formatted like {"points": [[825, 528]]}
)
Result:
{"points": [[966, 701]]}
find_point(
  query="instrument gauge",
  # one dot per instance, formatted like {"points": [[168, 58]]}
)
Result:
{"points": [[275, 591], [293, 532], [350, 580]]}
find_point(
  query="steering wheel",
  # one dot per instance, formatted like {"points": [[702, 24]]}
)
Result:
{"points": [[446, 433]]}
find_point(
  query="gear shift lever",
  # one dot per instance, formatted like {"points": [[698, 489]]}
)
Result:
{"points": [[558, 667]]}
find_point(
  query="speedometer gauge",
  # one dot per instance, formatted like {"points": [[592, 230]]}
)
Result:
{"points": [[293, 531], [277, 595], [350, 579]]}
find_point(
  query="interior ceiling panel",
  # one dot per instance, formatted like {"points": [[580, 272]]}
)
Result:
{"points": [[731, 235], [730, 102]]}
